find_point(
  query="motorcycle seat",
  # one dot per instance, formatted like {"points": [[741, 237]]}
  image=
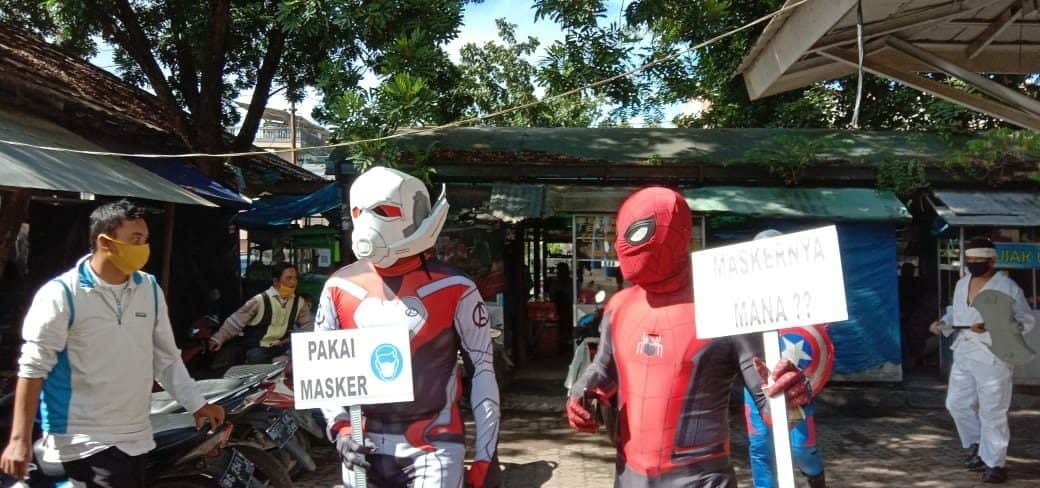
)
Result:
{"points": [[170, 431], [250, 370], [212, 390]]}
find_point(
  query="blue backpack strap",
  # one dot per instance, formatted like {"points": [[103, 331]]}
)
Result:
{"points": [[68, 297], [155, 297]]}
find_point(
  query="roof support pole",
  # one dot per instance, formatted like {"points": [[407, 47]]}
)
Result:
{"points": [[990, 87], [1002, 22], [800, 28], [943, 91]]}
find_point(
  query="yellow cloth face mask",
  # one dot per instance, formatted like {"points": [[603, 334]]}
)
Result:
{"points": [[126, 257], [285, 291]]}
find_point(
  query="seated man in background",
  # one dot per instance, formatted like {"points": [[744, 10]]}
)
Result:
{"points": [[265, 319]]}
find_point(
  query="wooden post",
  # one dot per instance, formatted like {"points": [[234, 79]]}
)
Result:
{"points": [[167, 258], [14, 210], [292, 131]]}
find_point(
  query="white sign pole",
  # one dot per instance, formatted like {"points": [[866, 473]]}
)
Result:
{"points": [[360, 476], [352, 367], [778, 413], [793, 280]]}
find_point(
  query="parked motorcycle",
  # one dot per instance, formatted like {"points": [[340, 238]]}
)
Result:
{"points": [[270, 424], [184, 457], [241, 397]]}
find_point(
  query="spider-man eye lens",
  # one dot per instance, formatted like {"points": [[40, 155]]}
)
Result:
{"points": [[388, 211], [641, 231], [355, 212]]}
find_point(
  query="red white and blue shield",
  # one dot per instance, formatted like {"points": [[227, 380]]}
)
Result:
{"points": [[809, 348]]}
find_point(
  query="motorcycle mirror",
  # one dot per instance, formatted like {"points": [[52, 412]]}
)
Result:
{"points": [[601, 296]]}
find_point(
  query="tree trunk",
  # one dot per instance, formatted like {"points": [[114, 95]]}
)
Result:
{"points": [[14, 210]]}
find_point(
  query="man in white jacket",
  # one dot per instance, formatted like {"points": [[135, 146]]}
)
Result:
{"points": [[96, 337], [979, 392]]}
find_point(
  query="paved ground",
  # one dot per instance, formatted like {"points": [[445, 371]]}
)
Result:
{"points": [[912, 448], [871, 436]]}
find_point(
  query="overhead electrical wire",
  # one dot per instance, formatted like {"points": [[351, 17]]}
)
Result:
{"points": [[449, 125]]}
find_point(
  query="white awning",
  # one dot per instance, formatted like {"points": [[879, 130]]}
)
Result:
{"points": [[965, 39]]}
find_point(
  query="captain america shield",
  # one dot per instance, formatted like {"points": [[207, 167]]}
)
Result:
{"points": [[811, 350]]}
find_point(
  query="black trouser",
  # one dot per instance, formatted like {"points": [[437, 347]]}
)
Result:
{"points": [[110, 468]]}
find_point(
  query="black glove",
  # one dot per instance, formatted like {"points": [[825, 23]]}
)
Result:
{"points": [[353, 454]]}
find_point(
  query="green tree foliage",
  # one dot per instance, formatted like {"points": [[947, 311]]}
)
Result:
{"points": [[488, 78], [198, 57], [668, 26]]}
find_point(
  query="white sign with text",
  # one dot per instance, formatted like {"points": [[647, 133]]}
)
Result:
{"points": [[768, 284], [352, 367]]}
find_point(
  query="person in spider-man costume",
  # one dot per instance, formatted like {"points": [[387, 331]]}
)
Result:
{"points": [[672, 388], [418, 443]]}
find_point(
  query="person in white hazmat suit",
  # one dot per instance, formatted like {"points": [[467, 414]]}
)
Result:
{"points": [[979, 391]]}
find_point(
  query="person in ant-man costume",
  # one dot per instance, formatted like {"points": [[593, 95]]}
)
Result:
{"points": [[418, 443], [672, 388]]}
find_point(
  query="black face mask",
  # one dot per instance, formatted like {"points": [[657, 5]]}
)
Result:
{"points": [[979, 269]]}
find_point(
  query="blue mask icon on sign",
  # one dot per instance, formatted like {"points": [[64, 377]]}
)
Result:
{"points": [[387, 362]]}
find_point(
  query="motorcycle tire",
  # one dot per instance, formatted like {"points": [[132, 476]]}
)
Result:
{"points": [[267, 467]]}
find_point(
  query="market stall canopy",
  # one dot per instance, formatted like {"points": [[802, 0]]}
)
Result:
{"points": [[836, 204], [988, 209], [194, 181], [817, 41], [27, 167], [279, 211]]}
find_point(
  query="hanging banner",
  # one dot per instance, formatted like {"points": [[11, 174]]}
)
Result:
{"points": [[1015, 255], [768, 284]]}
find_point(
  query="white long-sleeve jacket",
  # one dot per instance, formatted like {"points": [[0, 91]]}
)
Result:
{"points": [[970, 345], [98, 348]]}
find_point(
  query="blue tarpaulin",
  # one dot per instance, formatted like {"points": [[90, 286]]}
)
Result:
{"points": [[867, 346], [282, 210], [193, 180], [870, 339]]}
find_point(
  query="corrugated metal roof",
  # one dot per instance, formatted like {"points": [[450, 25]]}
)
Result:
{"points": [[857, 204], [514, 203], [654, 147], [24, 167], [988, 209], [853, 204]]}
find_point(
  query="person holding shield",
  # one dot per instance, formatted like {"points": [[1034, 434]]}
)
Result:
{"points": [[811, 349], [987, 345], [394, 284], [672, 388]]}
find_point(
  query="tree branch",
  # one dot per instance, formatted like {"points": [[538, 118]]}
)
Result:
{"points": [[208, 125], [264, 78], [187, 76], [132, 39]]}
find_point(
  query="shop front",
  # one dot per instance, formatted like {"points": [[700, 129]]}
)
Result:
{"points": [[1012, 221]]}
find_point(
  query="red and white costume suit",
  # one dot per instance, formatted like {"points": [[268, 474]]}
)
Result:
{"points": [[673, 389], [418, 444], [421, 443]]}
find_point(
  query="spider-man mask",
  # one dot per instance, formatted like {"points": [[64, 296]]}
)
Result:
{"points": [[653, 235]]}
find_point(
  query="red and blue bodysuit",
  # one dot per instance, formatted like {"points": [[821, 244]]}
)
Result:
{"points": [[672, 389]]}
